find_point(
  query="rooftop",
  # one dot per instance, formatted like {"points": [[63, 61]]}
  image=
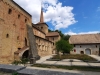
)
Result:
{"points": [[84, 39], [52, 34]]}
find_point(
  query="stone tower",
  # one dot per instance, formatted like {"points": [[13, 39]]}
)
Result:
{"points": [[42, 25]]}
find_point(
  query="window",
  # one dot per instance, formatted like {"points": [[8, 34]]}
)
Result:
{"points": [[80, 46], [7, 36], [9, 11], [18, 16], [74, 45], [25, 20], [17, 37], [19, 48], [41, 27], [74, 50], [53, 44], [53, 39], [96, 46]]}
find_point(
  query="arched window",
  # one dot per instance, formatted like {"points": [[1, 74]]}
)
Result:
{"points": [[9, 11]]}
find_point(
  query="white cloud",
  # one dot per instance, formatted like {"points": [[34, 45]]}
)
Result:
{"points": [[60, 16], [73, 33], [98, 9]]}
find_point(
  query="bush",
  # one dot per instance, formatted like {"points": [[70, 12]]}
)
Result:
{"points": [[24, 61], [14, 73], [16, 62]]}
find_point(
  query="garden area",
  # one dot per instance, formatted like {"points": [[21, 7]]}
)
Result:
{"points": [[82, 57]]}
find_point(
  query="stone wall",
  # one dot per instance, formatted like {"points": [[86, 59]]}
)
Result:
{"points": [[38, 33], [94, 48], [13, 32], [43, 27], [44, 46]]}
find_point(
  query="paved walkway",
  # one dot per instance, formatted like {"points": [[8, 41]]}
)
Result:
{"points": [[68, 72], [96, 57], [68, 62]]}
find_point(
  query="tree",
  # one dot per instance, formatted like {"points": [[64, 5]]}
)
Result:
{"points": [[66, 37], [60, 33], [63, 46]]}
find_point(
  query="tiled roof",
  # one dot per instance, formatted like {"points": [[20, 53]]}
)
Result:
{"points": [[52, 34], [84, 39]]}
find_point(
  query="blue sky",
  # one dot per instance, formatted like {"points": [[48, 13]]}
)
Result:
{"points": [[87, 13], [70, 16]]}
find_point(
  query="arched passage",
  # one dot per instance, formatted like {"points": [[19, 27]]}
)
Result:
{"points": [[25, 54]]}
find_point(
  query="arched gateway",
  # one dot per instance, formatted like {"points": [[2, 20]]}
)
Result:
{"points": [[22, 53], [88, 51]]}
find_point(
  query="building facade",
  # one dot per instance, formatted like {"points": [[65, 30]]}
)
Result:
{"points": [[14, 41], [85, 44]]}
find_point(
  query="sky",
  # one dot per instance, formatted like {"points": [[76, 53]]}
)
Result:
{"points": [[69, 16]]}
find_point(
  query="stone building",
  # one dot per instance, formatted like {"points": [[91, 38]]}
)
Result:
{"points": [[45, 40], [85, 44], [13, 32], [14, 40]]}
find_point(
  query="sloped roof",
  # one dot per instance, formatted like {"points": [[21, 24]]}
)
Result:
{"points": [[52, 34], [84, 39]]}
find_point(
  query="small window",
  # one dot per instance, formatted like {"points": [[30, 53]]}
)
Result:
{"points": [[39, 40], [96, 46], [9, 11], [41, 27], [74, 50], [74, 45], [18, 16], [80, 46], [25, 20], [7, 36], [53, 44], [17, 37], [19, 48], [53, 39]]}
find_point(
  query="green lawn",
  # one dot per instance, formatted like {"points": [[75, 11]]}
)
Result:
{"points": [[74, 56]]}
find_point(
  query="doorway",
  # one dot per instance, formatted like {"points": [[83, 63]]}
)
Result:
{"points": [[25, 54]]}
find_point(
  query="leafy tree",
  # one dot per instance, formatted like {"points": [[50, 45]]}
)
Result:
{"points": [[66, 37], [50, 30], [60, 33], [63, 46]]}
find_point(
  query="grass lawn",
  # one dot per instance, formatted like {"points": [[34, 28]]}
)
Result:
{"points": [[3, 73], [80, 68], [82, 57]]}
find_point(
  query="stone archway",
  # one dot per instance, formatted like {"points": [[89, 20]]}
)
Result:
{"points": [[25, 54], [88, 51]]}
